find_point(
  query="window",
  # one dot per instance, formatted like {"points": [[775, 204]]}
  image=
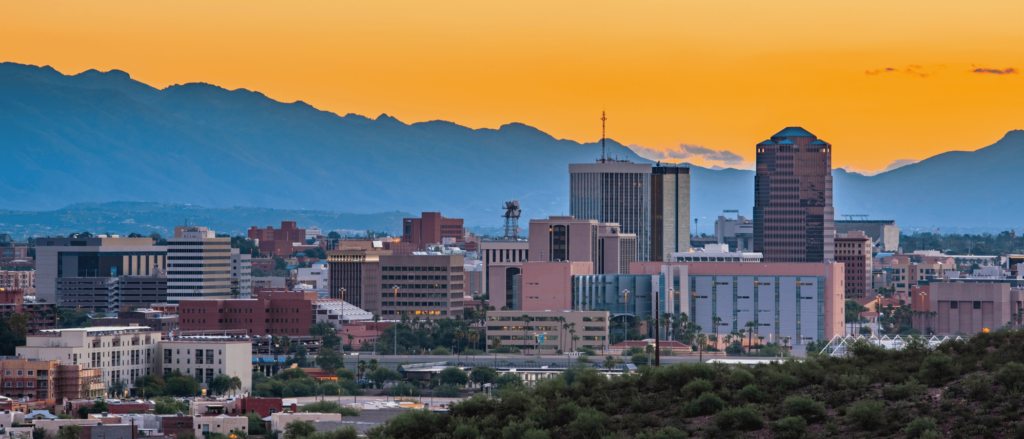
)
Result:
{"points": [[954, 305], [977, 304], [31, 372]]}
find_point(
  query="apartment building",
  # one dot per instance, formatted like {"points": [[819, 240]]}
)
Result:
{"points": [[20, 279], [265, 313], [32, 379], [122, 353], [241, 273], [198, 265], [854, 250], [910, 269], [206, 357]]}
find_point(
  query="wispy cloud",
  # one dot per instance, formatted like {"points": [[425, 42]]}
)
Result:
{"points": [[1006, 71], [685, 152], [892, 166], [913, 69]]}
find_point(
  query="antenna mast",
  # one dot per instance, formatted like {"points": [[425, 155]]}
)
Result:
{"points": [[603, 118]]}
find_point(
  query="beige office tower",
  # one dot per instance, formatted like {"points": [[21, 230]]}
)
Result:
{"points": [[198, 265], [670, 211]]}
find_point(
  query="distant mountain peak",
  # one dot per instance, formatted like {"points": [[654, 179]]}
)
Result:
{"points": [[385, 118], [112, 74]]}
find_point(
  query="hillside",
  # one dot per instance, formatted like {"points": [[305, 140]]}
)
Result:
{"points": [[101, 137]]}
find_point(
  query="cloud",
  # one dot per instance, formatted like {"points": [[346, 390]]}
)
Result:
{"points": [[1006, 71], [913, 69], [684, 152], [892, 166]]}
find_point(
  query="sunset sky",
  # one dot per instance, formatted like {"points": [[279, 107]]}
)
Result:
{"points": [[882, 80]]}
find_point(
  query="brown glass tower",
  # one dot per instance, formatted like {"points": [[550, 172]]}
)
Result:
{"points": [[793, 216]]}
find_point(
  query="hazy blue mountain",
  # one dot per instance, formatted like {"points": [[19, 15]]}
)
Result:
{"points": [[100, 137]]}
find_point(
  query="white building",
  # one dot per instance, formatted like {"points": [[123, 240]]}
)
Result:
{"points": [[717, 253], [314, 278], [206, 357], [198, 265], [122, 353], [312, 232], [241, 273], [332, 310]]}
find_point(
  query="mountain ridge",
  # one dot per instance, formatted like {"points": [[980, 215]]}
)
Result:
{"points": [[105, 137]]}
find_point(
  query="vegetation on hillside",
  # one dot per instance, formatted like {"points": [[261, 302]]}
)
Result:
{"points": [[959, 389]]}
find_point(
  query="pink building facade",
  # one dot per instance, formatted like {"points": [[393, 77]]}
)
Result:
{"points": [[547, 286]]}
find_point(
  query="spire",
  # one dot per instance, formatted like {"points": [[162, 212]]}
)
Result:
{"points": [[603, 118]]}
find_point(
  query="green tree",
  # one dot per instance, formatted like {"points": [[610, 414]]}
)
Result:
{"points": [[165, 405], [298, 430], [328, 360], [38, 433], [69, 432], [181, 385], [483, 375], [220, 384], [383, 375], [454, 376], [256, 426]]}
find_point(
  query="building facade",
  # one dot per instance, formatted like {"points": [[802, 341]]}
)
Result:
{"points": [[670, 211], [614, 192], [206, 357], [432, 228], [157, 320], [547, 286], [32, 379], [793, 214], [21, 279], [198, 265], [884, 234], [278, 242], [241, 273], [429, 286], [266, 313], [737, 232], [966, 307], [354, 273], [501, 260], [909, 270], [590, 326], [854, 250], [101, 257], [564, 238]]}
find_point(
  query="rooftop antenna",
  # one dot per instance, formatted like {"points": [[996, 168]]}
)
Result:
{"points": [[603, 118]]}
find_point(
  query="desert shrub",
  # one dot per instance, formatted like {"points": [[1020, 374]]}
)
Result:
{"points": [[744, 418], [780, 381], [1011, 375], [440, 351], [919, 426], [638, 359], [977, 387], [707, 404], [938, 368], [447, 391], [741, 378], [908, 389], [805, 407], [866, 414], [664, 433], [696, 387], [751, 393], [793, 427]]}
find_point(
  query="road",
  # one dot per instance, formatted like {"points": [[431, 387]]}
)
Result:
{"points": [[392, 361]]}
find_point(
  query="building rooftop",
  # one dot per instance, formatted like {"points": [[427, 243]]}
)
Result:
{"points": [[99, 329], [793, 132]]}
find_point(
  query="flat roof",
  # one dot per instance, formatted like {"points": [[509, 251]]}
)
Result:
{"points": [[98, 329]]}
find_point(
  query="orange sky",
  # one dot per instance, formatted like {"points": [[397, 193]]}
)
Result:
{"points": [[722, 74]]}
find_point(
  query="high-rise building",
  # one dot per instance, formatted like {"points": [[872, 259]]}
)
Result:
{"points": [[564, 238], [99, 257], [431, 228], [354, 273], [429, 285], [670, 211], [854, 250], [241, 273], [793, 214], [613, 191], [198, 265]]}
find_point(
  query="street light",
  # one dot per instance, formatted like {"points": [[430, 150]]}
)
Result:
{"points": [[341, 325], [396, 321]]}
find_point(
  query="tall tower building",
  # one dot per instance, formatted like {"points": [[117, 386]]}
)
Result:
{"points": [[614, 192], [198, 265], [793, 215], [670, 211]]}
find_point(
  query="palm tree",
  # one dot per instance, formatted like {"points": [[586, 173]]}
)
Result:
{"points": [[564, 328], [458, 343], [285, 342], [650, 324], [650, 353], [495, 345], [376, 319], [561, 326], [575, 338], [713, 338], [750, 332], [373, 365], [666, 318], [716, 320], [609, 362], [361, 367], [472, 336], [728, 340], [702, 339], [526, 330]]}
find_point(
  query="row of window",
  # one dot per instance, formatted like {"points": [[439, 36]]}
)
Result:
{"points": [[414, 268], [405, 277], [416, 286], [444, 304]]}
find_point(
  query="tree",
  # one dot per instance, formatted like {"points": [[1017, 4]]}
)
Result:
{"points": [[458, 347], [702, 339], [610, 362], [181, 385], [220, 384], [495, 345], [328, 360], [38, 433], [256, 424], [165, 405], [483, 375], [526, 329], [382, 376], [117, 388], [472, 336], [453, 375], [297, 429], [69, 432], [236, 384]]}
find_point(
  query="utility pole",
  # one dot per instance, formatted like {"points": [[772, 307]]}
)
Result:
{"points": [[657, 327]]}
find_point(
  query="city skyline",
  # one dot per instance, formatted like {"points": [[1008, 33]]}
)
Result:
{"points": [[893, 83]]}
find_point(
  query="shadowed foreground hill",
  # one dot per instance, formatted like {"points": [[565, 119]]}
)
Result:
{"points": [[960, 389]]}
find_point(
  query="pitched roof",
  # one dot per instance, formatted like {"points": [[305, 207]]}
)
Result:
{"points": [[819, 142], [793, 132], [768, 142]]}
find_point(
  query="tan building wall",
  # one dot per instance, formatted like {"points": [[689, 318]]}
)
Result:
{"points": [[217, 356], [123, 353], [908, 270], [970, 307], [278, 421], [548, 285], [590, 326], [222, 424]]}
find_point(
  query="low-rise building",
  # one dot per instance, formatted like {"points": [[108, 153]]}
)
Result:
{"points": [[152, 318], [854, 250], [204, 426], [265, 313], [969, 306], [279, 421], [547, 330], [23, 378], [206, 357], [717, 253]]}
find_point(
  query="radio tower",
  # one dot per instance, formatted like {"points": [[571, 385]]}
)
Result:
{"points": [[603, 118]]}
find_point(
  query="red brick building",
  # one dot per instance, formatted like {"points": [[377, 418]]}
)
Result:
{"points": [[44, 315], [279, 242], [172, 425], [267, 312], [431, 228], [263, 406]]}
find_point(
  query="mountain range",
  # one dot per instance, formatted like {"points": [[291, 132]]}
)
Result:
{"points": [[102, 137]]}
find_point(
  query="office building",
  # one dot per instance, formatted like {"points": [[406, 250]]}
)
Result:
{"points": [[206, 357], [801, 301], [198, 265], [793, 214], [111, 294], [968, 307], [431, 228], [354, 273], [564, 238], [265, 313], [474, 269], [501, 260], [157, 320], [612, 191], [99, 257], [431, 286], [122, 353], [737, 232], [911, 269], [314, 278], [670, 211], [278, 242], [884, 234], [854, 250], [547, 285], [241, 273], [590, 326]]}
